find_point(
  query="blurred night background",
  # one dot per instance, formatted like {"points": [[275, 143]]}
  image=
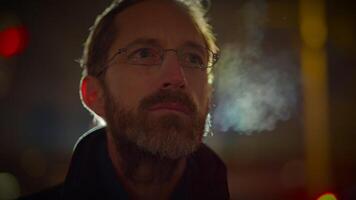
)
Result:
{"points": [[311, 153]]}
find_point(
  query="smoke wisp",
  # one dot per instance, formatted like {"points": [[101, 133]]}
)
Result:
{"points": [[253, 91]]}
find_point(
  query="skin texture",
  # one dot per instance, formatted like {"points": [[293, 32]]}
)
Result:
{"points": [[145, 174], [163, 21]]}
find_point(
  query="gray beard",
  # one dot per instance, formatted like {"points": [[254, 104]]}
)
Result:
{"points": [[160, 142]]}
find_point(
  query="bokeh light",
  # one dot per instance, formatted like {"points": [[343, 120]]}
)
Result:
{"points": [[9, 186], [327, 196], [13, 41]]}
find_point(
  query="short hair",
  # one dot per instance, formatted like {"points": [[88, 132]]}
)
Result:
{"points": [[102, 33]]}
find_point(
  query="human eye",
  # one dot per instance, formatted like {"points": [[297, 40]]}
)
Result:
{"points": [[194, 59], [193, 56], [143, 55]]}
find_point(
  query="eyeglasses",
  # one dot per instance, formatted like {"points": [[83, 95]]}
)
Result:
{"points": [[150, 55]]}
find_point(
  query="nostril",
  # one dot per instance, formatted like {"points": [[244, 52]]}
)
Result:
{"points": [[165, 85]]}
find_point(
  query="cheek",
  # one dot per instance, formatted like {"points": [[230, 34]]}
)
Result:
{"points": [[128, 86]]}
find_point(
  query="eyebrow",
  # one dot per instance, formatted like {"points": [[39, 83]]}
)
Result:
{"points": [[155, 42], [148, 41], [194, 45]]}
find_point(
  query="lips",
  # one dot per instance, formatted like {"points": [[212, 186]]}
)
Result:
{"points": [[178, 107]]}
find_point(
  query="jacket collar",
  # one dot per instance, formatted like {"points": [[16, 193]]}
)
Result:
{"points": [[91, 173]]}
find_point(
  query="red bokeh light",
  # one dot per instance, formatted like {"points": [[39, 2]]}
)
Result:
{"points": [[12, 41]]}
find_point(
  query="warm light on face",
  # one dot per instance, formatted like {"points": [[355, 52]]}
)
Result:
{"points": [[327, 196]]}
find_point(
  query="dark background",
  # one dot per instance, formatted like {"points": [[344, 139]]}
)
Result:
{"points": [[42, 116]]}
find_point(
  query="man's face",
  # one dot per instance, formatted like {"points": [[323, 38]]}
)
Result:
{"points": [[160, 108]]}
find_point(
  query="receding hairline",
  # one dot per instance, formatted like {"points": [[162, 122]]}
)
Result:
{"points": [[105, 31], [178, 6]]}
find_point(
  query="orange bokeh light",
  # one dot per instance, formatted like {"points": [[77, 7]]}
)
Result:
{"points": [[12, 41]]}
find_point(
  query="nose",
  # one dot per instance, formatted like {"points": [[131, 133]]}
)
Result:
{"points": [[173, 76]]}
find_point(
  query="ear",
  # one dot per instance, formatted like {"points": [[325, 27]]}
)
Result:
{"points": [[92, 95]]}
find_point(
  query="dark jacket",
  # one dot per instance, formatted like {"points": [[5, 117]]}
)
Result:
{"points": [[91, 175]]}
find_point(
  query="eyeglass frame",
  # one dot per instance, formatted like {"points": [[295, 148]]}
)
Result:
{"points": [[104, 67]]}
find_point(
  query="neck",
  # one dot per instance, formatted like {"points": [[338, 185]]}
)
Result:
{"points": [[144, 174]]}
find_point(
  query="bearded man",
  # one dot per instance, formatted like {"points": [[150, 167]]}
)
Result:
{"points": [[148, 69]]}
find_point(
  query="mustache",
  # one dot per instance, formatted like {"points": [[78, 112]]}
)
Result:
{"points": [[169, 96]]}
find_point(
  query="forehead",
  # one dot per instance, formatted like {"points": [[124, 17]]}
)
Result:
{"points": [[162, 20]]}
